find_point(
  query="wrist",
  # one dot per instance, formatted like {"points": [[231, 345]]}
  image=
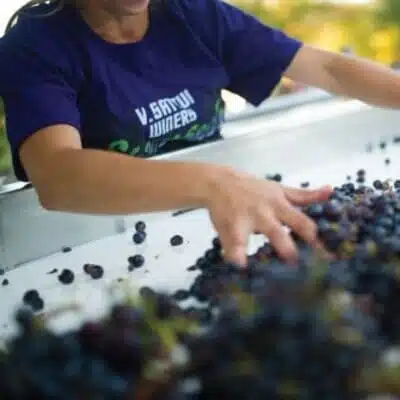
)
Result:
{"points": [[210, 177]]}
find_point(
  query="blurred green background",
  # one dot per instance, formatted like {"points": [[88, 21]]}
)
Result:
{"points": [[370, 29]]}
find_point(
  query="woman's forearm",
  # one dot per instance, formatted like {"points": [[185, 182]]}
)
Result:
{"points": [[346, 76], [100, 182], [365, 80]]}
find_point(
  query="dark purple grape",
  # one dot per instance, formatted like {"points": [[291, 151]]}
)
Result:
{"points": [[147, 292], [315, 210], [202, 263], [66, 277], [29, 295], [333, 211], [274, 177], [277, 178], [176, 240], [361, 172], [95, 271], [135, 261], [378, 185], [216, 243], [139, 237], [32, 299], [140, 226]]}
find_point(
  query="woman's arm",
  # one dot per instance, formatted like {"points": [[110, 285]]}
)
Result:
{"points": [[69, 178], [346, 75]]}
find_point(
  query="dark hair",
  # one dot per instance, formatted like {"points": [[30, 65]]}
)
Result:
{"points": [[58, 5]]}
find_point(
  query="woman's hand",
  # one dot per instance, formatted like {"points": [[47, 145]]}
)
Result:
{"points": [[241, 204]]}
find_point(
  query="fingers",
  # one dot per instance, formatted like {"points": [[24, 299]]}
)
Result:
{"points": [[299, 223], [305, 228], [303, 197], [234, 241], [279, 239]]}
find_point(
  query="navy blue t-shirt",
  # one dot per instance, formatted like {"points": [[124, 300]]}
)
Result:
{"points": [[160, 94]]}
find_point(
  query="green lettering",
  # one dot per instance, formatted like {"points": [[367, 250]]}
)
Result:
{"points": [[135, 150], [120, 145], [192, 131]]}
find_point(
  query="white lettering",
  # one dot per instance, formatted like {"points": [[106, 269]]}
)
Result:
{"points": [[177, 120], [142, 115], [163, 104], [157, 114], [172, 104], [189, 96], [183, 101], [169, 124]]}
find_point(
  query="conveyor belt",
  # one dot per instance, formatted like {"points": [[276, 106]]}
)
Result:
{"points": [[321, 152], [295, 140]]}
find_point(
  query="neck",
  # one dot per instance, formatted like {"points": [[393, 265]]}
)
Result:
{"points": [[115, 27]]}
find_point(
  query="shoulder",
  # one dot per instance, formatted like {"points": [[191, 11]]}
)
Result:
{"points": [[41, 39], [208, 20]]}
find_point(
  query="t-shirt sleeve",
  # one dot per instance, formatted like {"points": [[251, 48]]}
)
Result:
{"points": [[36, 94], [254, 55]]}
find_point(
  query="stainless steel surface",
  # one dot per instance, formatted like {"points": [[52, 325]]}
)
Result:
{"points": [[28, 232], [281, 103], [322, 134]]}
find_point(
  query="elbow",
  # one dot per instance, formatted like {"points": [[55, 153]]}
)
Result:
{"points": [[51, 190], [47, 197]]}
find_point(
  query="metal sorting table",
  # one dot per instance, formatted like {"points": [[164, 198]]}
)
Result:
{"points": [[321, 143]]}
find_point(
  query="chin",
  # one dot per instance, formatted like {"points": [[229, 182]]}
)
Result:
{"points": [[128, 7]]}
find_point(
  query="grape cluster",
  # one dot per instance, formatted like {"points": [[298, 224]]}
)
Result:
{"points": [[325, 329]]}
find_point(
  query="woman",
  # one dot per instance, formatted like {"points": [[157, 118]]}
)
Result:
{"points": [[80, 78]]}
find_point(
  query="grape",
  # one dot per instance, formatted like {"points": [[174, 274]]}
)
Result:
{"points": [[66, 277], [140, 226], [274, 177], [135, 261], [95, 271], [139, 237], [320, 330], [378, 185], [32, 299], [176, 240]]}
